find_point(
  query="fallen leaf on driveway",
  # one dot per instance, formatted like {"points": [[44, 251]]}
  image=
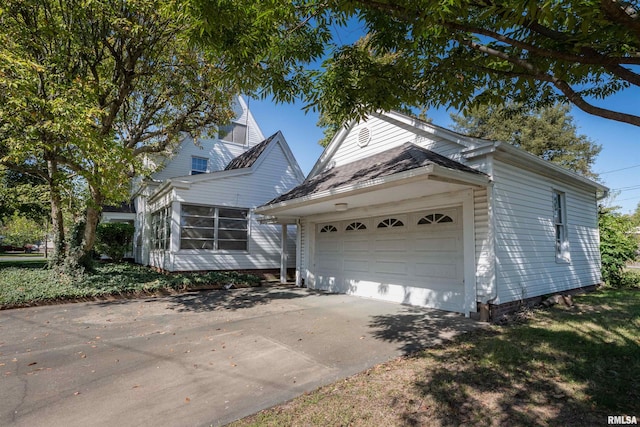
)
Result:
{"points": [[32, 363], [187, 400]]}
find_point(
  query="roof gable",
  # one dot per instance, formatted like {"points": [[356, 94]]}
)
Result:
{"points": [[383, 131], [249, 157]]}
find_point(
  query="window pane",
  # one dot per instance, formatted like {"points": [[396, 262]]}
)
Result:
{"points": [[197, 233], [198, 165], [196, 244], [232, 235], [234, 132], [198, 210], [232, 213], [234, 245], [193, 221], [232, 224]]}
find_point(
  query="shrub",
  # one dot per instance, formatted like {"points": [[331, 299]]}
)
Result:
{"points": [[618, 245], [114, 239]]}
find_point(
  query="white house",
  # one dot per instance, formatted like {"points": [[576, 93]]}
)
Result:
{"points": [[402, 210], [197, 212]]}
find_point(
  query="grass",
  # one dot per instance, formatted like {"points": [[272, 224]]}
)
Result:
{"points": [[27, 282], [562, 366]]}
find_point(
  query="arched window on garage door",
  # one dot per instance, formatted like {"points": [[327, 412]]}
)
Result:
{"points": [[329, 229], [435, 218], [355, 226], [390, 222]]}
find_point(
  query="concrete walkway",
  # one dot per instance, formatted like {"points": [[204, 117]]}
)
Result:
{"points": [[204, 358]]}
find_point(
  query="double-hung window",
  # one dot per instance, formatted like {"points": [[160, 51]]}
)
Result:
{"points": [[560, 225], [214, 228], [198, 165], [234, 132]]}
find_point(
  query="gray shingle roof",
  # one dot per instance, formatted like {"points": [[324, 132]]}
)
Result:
{"points": [[249, 157], [399, 159]]}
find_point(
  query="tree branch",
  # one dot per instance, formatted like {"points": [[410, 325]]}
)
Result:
{"points": [[622, 14], [595, 57], [560, 84]]}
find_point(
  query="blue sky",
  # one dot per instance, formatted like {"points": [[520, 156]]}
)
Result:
{"points": [[618, 162]]}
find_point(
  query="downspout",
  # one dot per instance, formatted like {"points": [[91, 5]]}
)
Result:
{"points": [[298, 253]]}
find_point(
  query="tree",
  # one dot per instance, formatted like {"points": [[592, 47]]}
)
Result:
{"points": [[455, 54], [548, 133], [20, 231], [88, 88]]}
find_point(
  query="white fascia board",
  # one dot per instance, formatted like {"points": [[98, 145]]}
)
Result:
{"points": [[431, 130], [344, 190], [432, 171], [441, 173], [331, 148]]}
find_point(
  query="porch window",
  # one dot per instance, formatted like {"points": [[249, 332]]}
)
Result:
{"points": [[198, 165], [234, 132], [161, 229], [560, 226], [213, 228]]}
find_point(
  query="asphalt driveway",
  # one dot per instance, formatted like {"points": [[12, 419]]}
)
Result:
{"points": [[204, 358]]}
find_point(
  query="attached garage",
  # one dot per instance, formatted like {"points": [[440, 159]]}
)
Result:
{"points": [[413, 258], [402, 210]]}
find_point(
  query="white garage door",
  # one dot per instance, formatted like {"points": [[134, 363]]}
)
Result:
{"points": [[414, 258]]}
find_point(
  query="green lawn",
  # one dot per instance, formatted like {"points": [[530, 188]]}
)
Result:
{"points": [[28, 282], [561, 367]]}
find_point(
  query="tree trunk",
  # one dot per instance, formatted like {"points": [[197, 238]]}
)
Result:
{"points": [[92, 219], [57, 220]]}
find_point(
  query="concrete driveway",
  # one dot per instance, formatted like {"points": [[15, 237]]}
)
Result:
{"points": [[204, 358]]}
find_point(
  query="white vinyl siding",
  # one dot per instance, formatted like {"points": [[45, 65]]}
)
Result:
{"points": [[386, 135], [483, 245], [218, 153], [526, 238]]}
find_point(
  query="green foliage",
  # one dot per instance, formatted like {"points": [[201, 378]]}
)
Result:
{"points": [[629, 279], [455, 54], [549, 133], [30, 284], [25, 194], [618, 245], [635, 216], [20, 231], [114, 239]]}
